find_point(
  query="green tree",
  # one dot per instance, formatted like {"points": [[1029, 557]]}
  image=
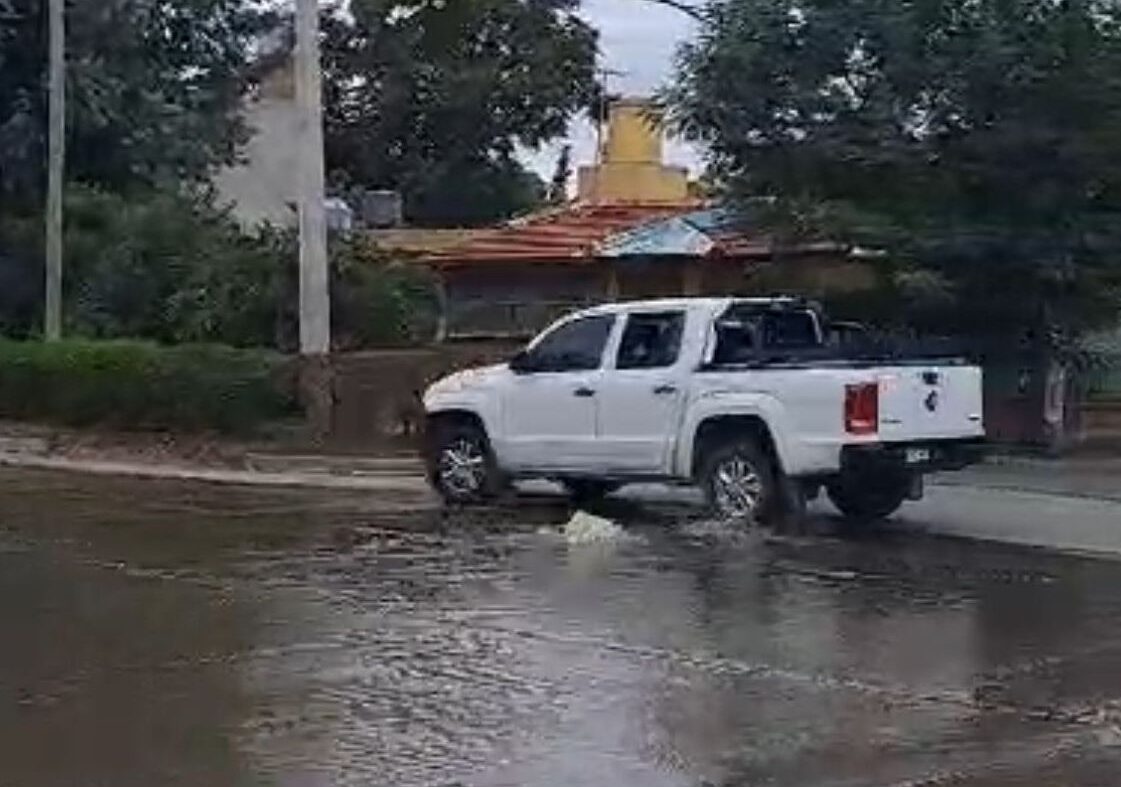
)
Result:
{"points": [[434, 98], [472, 191], [378, 300], [978, 142], [169, 266], [154, 90], [154, 86], [166, 264], [21, 103]]}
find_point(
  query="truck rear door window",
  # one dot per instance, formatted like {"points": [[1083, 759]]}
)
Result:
{"points": [[747, 334], [790, 329], [735, 342], [651, 341]]}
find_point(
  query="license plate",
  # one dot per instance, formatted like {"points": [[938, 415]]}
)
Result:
{"points": [[917, 456]]}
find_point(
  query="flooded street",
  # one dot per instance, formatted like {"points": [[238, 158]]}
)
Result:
{"points": [[175, 634]]}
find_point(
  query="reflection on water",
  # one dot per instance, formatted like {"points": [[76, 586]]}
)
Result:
{"points": [[159, 634]]}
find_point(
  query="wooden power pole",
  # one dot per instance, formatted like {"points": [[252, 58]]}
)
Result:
{"points": [[315, 303], [56, 168]]}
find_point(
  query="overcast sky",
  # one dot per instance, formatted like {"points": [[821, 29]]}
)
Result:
{"points": [[638, 40]]}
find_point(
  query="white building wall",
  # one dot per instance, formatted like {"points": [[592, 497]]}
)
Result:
{"points": [[264, 187]]}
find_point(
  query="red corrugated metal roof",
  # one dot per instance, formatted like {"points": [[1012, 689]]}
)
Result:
{"points": [[569, 234], [576, 233]]}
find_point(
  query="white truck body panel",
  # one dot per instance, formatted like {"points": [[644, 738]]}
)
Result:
{"points": [[642, 422]]}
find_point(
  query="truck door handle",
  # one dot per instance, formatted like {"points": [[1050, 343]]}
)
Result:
{"points": [[665, 390], [584, 392]]}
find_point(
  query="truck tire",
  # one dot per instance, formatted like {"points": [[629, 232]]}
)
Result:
{"points": [[461, 464], [868, 498], [588, 490], [738, 479]]}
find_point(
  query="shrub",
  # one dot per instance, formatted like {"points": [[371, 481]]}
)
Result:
{"points": [[141, 385], [167, 265], [161, 264], [170, 266], [377, 300]]}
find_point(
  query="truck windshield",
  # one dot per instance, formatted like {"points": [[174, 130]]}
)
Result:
{"points": [[744, 332]]}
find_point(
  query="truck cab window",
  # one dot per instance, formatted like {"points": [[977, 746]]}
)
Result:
{"points": [[793, 329], [745, 334], [735, 342], [574, 346], [651, 341]]}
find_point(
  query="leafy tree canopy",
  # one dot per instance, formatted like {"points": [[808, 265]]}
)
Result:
{"points": [[154, 88], [979, 140], [433, 98]]}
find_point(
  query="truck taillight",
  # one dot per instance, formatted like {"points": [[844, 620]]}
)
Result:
{"points": [[862, 408]]}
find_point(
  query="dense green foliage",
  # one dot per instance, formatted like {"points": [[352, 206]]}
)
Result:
{"points": [[154, 89], [169, 266], [428, 97], [379, 301], [977, 142], [154, 93], [138, 385], [433, 98], [161, 265]]}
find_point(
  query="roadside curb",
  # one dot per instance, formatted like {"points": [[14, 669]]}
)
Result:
{"points": [[1011, 486], [405, 474], [1106, 461], [399, 482], [333, 465], [25, 446]]}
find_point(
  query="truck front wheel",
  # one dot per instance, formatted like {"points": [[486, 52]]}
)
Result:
{"points": [[739, 482], [461, 465], [868, 498]]}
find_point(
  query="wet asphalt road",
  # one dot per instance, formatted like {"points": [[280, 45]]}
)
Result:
{"points": [[158, 633]]}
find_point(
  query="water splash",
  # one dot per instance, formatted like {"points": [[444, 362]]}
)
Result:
{"points": [[585, 528]]}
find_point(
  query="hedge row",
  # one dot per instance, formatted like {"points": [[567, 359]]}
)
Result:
{"points": [[142, 385]]}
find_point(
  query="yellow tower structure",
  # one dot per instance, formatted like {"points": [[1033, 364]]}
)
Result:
{"points": [[631, 169]]}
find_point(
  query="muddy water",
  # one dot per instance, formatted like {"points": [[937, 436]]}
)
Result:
{"points": [[168, 634]]}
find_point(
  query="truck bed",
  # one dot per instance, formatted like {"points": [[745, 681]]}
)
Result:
{"points": [[918, 399], [905, 353]]}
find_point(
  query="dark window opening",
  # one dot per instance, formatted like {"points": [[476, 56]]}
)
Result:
{"points": [[651, 341], [574, 346], [747, 333]]}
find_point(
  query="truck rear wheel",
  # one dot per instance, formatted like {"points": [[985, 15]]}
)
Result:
{"points": [[739, 483], [461, 465], [867, 498]]}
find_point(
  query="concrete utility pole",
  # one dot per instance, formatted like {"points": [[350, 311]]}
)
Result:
{"points": [[316, 383], [56, 168], [315, 302]]}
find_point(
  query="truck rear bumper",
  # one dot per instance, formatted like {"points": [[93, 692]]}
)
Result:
{"points": [[922, 456]]}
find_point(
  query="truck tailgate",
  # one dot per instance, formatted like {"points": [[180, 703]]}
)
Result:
{"points": [[930, 402]]}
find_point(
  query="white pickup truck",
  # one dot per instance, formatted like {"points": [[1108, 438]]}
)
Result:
{"points": [[745, 397]]}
